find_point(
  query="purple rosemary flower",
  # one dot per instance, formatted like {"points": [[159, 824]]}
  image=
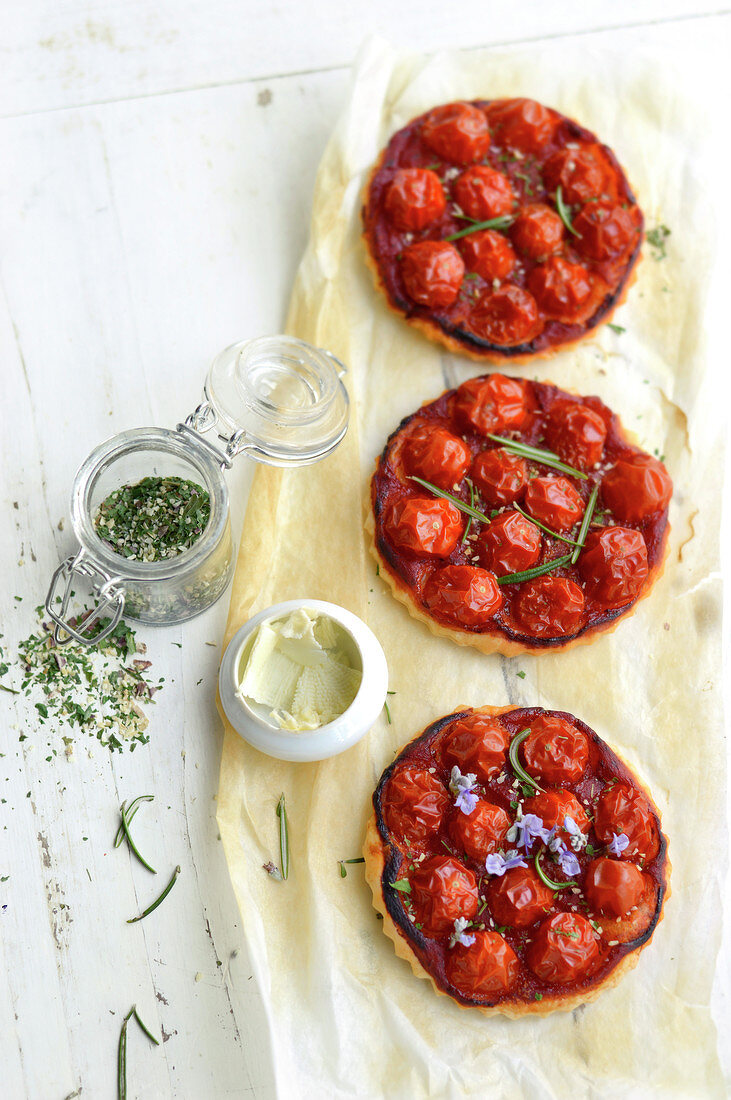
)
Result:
{"points": [[568, 863], [527, 829], [459, 935], [618, 843], [462, 787], [498, 864], [578, 839]]}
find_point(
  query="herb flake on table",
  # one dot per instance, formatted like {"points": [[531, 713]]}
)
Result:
{"points": [[657, 239]]}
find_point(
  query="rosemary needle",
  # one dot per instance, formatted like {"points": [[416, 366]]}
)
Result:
{"points": [[283, 836], [131, 811], [157, 901], [125, 826], [122, 1051]]}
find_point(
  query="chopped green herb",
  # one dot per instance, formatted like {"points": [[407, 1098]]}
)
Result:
{"points": [[521, 674], [155, 519], [402, 885], [617, 328], [657, 240], [539, 996]]}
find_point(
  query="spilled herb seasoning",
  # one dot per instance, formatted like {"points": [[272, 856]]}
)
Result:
{"points": [[155, 519]]}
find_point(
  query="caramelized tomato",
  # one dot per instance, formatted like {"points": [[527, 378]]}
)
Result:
{"points": [[467, 595], [549, 607], [521, 124], [555, 751], [613, 565], [622, 809], [561, 289], [500, 477], [613, 888], [424, 525], [415, 805], [606, 231], [554, 502], [458, 132], [491, 404], [637, 487], [481, 832], [518, 898], [509, 544], [537, 231], [565, 948], [415, 198], [577, 434], [442, 889], [507, 316], [554, 806], [581, 173], [486, 968], [437, 455], [488, 254], [477, 744], [483, 193], [432, 272]]}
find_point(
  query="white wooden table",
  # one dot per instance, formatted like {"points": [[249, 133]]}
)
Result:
{"points": [[157, 170]]}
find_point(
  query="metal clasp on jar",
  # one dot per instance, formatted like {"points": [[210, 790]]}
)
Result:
{"points": [[202, 420], [107, 589]]}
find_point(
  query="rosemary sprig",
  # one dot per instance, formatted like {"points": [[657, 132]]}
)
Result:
{"points": [[590, 506], [563, 212], [466, 508], [128, 834], [159, 900], [538, 571], [470, 518], [131, 811], [515, 762], [553, 534], [122, 1051], [342, 862], [537, 454], [283, 836], [549, 881], [491, 223]]}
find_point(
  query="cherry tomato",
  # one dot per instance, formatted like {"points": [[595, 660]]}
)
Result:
{"points": [[491, 404], [488, 254], [554, 502], [478, 744], [555, 751], [481, 832], [436, 455], [509, 544], [464, 593], [500, 476], [486, 968], [442, 889], [521, 124], [457, 132], [537, 231], [623, 809], [560, 288], [415, 198], [414, 805], [432, 272], [637, 487], [606, 231], [518, 898], [554, 807], [576, 433], [506, 316], [613, 888], [483, 193], [564, 948], [580, 173], [613, 565], [423, 525], [549, 607]]}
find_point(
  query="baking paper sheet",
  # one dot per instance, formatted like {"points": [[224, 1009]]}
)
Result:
{"points": [[348, 1018]]}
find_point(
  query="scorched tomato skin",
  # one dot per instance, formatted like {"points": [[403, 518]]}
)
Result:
{"points": [[582, 174], [613, 565], [424, 525], [577, 434], [458, 132], [477, 744], [492, 404], [442, 889], [560, 288], [519, 898], [415, 198], [521, 124], [432, 272], [622, 809], [481, 832], [415, 805], [555, 751], [507, 316], [438, 456], [549, 607], [466, 594], [607, 231], [613, 888], [637, 487], [554, 502], [483, 193], [486, 968], [499, 476], [488, 254], [554, 807], [537, 231], [510, 543], [565, 948]]}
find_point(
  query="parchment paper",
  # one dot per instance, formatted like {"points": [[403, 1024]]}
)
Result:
{"points": [[347, 1017]]}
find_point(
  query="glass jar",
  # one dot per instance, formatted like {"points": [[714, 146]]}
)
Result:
{"points": [[277, 400]]}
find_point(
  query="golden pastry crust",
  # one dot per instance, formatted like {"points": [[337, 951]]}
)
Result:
{"points": [[374, 853]]}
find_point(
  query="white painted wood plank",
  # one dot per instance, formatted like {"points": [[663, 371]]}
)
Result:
{"points": [[61, 53]]}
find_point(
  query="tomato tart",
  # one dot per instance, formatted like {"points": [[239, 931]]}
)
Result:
{"points": [[513, 516], [517, 861], [501, 228]]}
